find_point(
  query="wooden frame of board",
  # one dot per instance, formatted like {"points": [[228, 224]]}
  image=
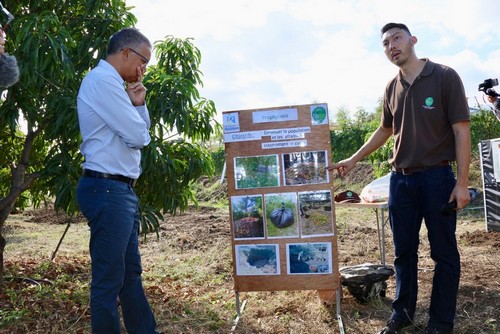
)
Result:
{"points": [[281, 204]]}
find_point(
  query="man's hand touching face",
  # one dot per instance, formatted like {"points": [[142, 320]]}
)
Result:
{"points": [[136, 90]]}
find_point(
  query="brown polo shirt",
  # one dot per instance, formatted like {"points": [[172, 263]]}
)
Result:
{"points": [[421, 116]]}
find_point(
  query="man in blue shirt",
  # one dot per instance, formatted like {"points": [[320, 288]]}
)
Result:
{"points": [[114, 123]]}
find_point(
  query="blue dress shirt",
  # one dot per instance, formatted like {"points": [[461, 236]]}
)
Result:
{"points": [[113, 130]]}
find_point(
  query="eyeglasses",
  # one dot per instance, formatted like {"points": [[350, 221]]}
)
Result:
{"points": [[145, 60]]}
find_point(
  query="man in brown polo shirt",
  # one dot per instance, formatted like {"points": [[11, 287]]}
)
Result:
{"points": [[426, 111]]}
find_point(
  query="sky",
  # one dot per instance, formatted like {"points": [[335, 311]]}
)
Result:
{"points": [[259, 54]]}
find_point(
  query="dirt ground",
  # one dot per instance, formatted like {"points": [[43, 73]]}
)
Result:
{"points": [[478, 306], [204, 235]]}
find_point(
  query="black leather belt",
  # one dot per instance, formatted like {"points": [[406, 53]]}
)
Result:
{"points": [[99, 175], [411, 170]]}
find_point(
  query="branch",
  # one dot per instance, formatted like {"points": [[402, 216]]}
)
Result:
{"points": [[36, 281], [21, 182]]}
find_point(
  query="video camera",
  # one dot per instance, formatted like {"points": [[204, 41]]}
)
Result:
{"points": [[487, 87]]}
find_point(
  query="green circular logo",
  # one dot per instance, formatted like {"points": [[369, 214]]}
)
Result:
{"points": [[319, 114], [429, 101]]}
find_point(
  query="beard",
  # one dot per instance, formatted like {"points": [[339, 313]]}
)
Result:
{"points": [[9, 71]]}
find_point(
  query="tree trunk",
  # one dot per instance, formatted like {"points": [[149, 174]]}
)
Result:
{"points": [[2, 246], [53, 256], [20, 182], [3, 217]]}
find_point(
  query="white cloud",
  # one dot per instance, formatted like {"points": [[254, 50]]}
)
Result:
{"points": [[281, 52], [219, 19]]}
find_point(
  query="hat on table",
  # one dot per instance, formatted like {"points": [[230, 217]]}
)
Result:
{"points": [[347, 196]]}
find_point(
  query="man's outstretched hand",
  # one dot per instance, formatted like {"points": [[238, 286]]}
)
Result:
{"points": [[343, 167]]}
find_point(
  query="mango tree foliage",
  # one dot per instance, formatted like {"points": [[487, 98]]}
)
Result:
{"points": [[56, 42], [181, 122]]}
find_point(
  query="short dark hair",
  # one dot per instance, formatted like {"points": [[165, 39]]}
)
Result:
{"points": [[391, 25], [128, 37]]}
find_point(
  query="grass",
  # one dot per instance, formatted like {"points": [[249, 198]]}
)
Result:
{"points": [[189, 283], [188, 278]]}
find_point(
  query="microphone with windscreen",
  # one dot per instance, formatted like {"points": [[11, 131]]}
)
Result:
{"points": [[448, 208], [9, 71]]}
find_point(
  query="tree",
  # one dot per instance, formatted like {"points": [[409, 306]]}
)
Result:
{"points": [[351, 133], [354, 132], [343, 118], [361, 116], [483, 126], [56, 43], [379, 158]]}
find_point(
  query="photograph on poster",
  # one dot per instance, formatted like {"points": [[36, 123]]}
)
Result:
{"points": [[316, 215], [257, 260], [247, 217], [256, 172], [281, 215], [309, 258], [305, 168]]}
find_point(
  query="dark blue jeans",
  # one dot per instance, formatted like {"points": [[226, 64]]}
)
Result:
{"points": [[111, 208], [413, 198]]}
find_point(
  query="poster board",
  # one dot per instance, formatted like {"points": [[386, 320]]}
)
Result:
{"points": [[281, 204], [490, 171]]}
